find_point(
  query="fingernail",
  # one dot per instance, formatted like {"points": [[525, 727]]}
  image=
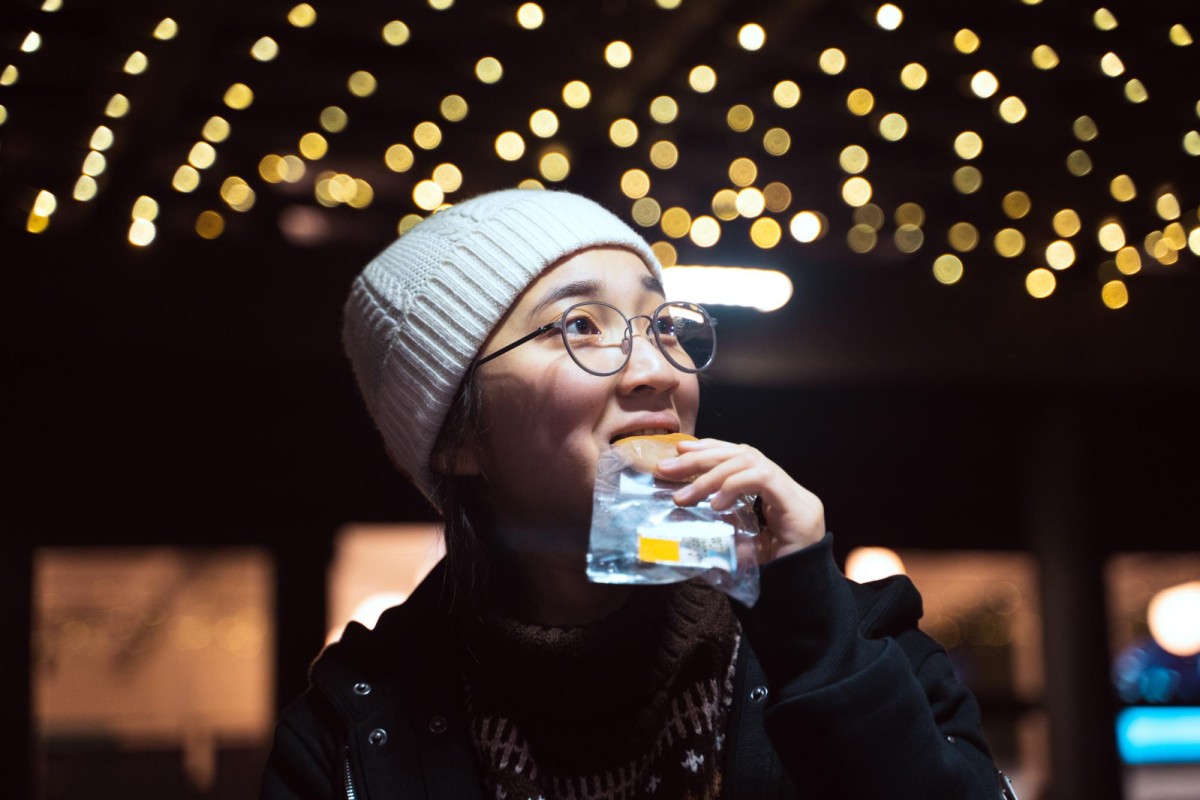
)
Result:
{"points": [[669, 462]]}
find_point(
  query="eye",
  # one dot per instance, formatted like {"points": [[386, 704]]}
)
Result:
{"points": [[580, 325]]}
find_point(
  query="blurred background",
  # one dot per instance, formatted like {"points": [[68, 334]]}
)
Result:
{"points": [[964, 313]]}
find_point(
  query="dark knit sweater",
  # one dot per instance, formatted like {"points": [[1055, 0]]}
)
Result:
{"points": [[632, 706]]}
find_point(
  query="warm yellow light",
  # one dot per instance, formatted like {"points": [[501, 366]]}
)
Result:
{"points": [[186, 179], [396, 33], [752, 36], [210, 225], [36, 223], [1129, 261], [618, 54], [864, 564], [3, 115], [742, 171], [333, 119], [860, 102], [832, 61], [1016, 204], [1012, 109], [1114, 294], [489, 69], [1172, 616], [137, 63], [9, 75], [543, 123], [94, 164], [313, 146], [141, 232], [51, 5], [948, 269], [102, 138], [1135, 91], [1167, 206], [1111, 236], [399, 158], [427, 135], [646, 212], [85, 188], [453, 108], [530, 16], [1060, 254], [1179, 36], [448, 176], [968, 145], [407, 222], [239, 96], [623, 132], [362, 83], [910, 214], [1104, 20], [765, 232], [1009, 242], [427, 195], [216, 129], [664, 109], [1085, 128], [635, 183], [984, 83], [705, 231], [32, 41], [302, 15], [45, 203], [554, 166], [440, 5], [676, 222], [166, 29], [967, 180], [888, 16], [1193, 241], [786, 94], [966, 41], [145, 207], [117, 107], [237, 194], [1079, 163], [265, 49], [1067, 223], [963, 237], [702, 79], [510, 146], [908, 238], [854, 159], [750, 202], [1111, 65], [778, 196], [806, 227], [761, 289], [1040, 283], [740, 118], [913, 76], [724, 204], [271, 168], [576, 94], [861, 238], [669, 5], [856, 191], [666, 254], [1191, 143], [893, 127], [293, 168], [1044, 57], [777, 141], [664, 154]]}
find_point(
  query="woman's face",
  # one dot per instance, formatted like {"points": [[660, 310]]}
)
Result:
{"points": [[546, 421]]}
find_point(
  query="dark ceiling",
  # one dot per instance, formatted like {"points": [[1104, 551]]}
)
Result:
{"points": [[194, 389]]}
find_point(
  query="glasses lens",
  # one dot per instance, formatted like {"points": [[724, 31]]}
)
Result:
{"points": [[593, 333], [686, 336]]}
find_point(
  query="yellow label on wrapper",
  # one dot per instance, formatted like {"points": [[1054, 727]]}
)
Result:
{"points": [[688, 544]]}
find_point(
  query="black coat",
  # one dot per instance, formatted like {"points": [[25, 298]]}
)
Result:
{"points": [[839, 695]]}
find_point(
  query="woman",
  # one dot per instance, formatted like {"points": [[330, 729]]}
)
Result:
{"points": [[507, 674]]}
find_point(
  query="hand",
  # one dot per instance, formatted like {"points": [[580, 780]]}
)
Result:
{"points": [[724, 472]]}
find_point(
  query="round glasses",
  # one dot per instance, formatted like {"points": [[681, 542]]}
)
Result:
{"points": [[599, 338]]}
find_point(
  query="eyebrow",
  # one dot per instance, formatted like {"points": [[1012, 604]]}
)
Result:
{"points": [[584, 289]]}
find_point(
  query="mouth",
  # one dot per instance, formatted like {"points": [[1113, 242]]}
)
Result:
{"points": [[640, 432]]}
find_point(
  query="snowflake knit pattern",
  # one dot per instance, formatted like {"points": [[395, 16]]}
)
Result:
{"points": [[632, 707]]}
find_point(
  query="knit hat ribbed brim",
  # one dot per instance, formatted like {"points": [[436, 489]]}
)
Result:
{"points": [[419, 312]]}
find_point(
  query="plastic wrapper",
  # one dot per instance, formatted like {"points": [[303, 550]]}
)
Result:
{"points": [[640, 536]]}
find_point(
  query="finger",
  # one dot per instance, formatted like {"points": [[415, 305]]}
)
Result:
{"points": [[710, 481], [686, 465]]}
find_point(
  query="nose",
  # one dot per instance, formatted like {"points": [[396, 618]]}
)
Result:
{"points": [[647, 369]]}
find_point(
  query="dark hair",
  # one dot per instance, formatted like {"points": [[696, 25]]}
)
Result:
{"points": [[458, 496]]}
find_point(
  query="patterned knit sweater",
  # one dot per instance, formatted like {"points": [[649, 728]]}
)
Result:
{"points": [[633, 706]]}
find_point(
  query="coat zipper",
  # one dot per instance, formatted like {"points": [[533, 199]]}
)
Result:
{"points": [[346, 776]]}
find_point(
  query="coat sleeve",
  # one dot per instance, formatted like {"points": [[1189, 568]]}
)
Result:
{"points": [[304, 763], [861, 703]]}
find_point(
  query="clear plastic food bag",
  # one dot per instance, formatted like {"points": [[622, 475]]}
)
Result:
{"points": [[639, 535]]}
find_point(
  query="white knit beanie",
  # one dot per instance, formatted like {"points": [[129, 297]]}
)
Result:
{"points": [[419, 312]]}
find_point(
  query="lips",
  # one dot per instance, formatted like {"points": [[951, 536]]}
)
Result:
{"points": [[653, 429]]}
